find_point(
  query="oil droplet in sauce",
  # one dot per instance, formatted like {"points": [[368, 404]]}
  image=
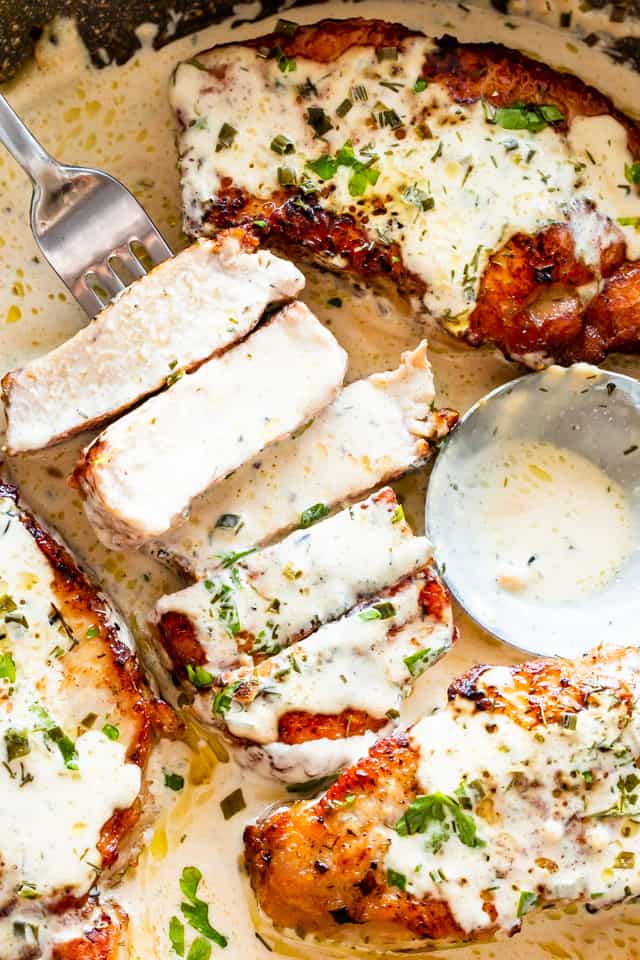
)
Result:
{"points": [[558, 527]]}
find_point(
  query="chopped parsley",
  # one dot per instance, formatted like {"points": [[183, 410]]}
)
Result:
{"points": [[312, 514], [436, 815], [92, 632], [173, 781], [526, 902], [176, 935], [531, 117], [363, 170], [396, 879], [7, 667], [420, 85], [200, 949], [111, 731], [632, 172], [195, 911], [224, 697], [398, 514], [198, 676], [624, 222]]}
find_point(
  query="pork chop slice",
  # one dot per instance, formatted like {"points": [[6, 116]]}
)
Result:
{"points": [[166, 324], [141, 474]]}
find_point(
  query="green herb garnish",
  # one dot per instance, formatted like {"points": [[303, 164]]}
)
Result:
{"points": [[232, 804], [396, 879], [282, 144], [531, 117], [173, 781], [176, 935], [435, 815], [196, 911], [226, 136], [7, 667], [343, 108], [224, 698], [198, 676], [318, 120], [312, 514], [16, 743], [632, 172], [378, 611], [420, 85], [416, 663], [526, 902], [111, 731]]}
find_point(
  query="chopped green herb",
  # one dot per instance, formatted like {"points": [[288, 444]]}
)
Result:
{"points": [[386, 53], [343, 108], [17, 618], [359, 92], [392, 714], [226, 136], [198, 676], [196, 912], [312, 514], [16, 743], [531, 117], [395, 879], [385, 116], [232, 804], [282, 144], [569, 721], [7, 667], [92, 632], [224, 698], [173, 781], [313, 786], [430, 814], [378, 611], [416, 663], [176, 935], [286, 64], [629, 222], [307, 89], [200, 949], [526, 902], [418, 198], [324, 167], [65, 745], [174, 376], [420, 85], [111, 731], [7, 604], [287, 28], [201, 124], [334, 301], [632, 172], [287, 177], [230, 557], [625, 860], [318, 120]]}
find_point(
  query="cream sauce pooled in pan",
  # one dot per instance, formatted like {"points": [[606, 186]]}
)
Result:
{"points": [[119, 119]]}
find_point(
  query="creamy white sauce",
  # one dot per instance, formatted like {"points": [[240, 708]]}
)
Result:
{"points": [[118, 118], [365, 661], [185, 310], [51, 815], [371, 433], [479, 183], [313, 576], [537, 798], [150, 464], [554, 525]]}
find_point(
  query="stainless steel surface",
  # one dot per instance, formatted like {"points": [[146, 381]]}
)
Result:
{"points": [[577, 409], [89, 227]]}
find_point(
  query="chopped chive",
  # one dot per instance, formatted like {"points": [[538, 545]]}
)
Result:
{"points": [[307, 89], [359, 92], [92, 632], [282, 144], [262, 224], [569, 721], [385, 116], [526, 902], [334, 302], [229, 521], [396, 879], [286, 177], [318, 120], [287, 28], [632, 172], [312, 514], [398, 514], [378, 611], [232, 804], [420, 85], [16, 743], [416, 663], [386, 53], [286, 64], [224, 698], [7, 667], [418, 198], [111, 731], [343, 109], [226, 136]]}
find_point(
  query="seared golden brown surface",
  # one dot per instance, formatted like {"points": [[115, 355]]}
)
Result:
{"points": [[527, 302], [316, 865]]}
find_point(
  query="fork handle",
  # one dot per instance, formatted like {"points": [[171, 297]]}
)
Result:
{"points": [[23, 146]]}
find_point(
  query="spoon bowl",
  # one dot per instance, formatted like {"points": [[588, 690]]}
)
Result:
{"points": [[592, 418]]}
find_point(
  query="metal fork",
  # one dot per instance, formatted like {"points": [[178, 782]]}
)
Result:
{"points": [[92, 231]]}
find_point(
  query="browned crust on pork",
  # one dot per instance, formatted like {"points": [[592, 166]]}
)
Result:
{"points": [[100, 942], [519, 309], [301, 726], [316, 865], [104, 660]]}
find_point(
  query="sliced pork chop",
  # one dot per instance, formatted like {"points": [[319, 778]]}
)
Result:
{"points": [[165, 324], [76, 726], [258, 603], [521, 792], [377, 429], [482, 182], [141, 474]]}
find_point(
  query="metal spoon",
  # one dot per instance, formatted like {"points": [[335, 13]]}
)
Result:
{"points": [[587, 411]]}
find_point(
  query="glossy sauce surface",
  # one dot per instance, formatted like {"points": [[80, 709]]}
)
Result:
{"points": [[119, 118]]}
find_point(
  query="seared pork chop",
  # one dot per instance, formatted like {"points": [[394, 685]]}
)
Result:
{"points": [[480, 181], [521, 792], [76, 725]]}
